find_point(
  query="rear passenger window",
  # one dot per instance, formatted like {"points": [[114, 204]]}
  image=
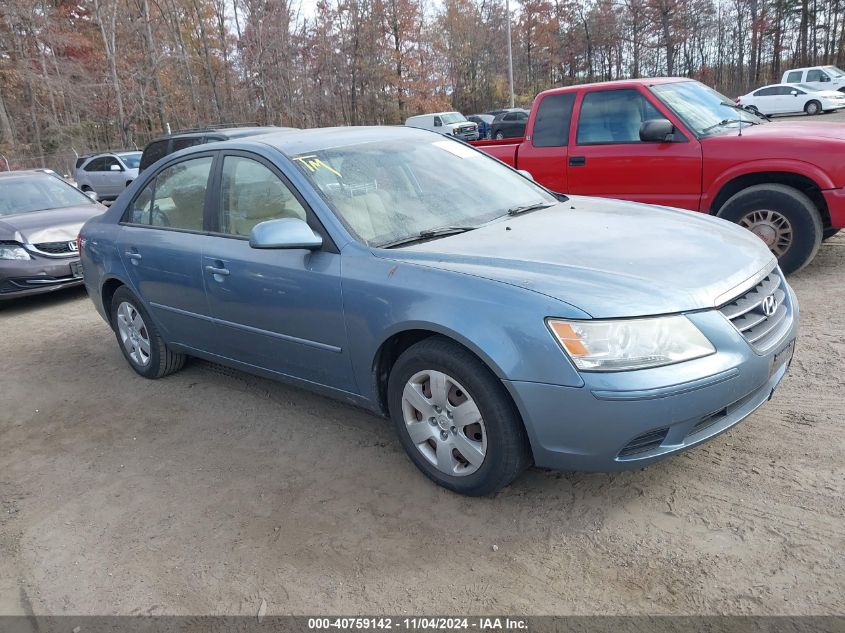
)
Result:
{"points": [[175, 198], [551, 125], [153, 152], [613, 116], [794, 77], [251, 193], [182, 143]]}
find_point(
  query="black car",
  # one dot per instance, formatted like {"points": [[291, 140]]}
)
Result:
{"points": [[166, 145], [509, 124]]}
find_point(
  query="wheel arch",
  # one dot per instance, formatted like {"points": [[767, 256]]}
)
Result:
{"points": [[805, 181], [403, 337], [107, 290]]}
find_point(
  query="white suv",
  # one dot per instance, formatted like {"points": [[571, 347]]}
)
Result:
{"points": [[449, 123], [107, 174], [818, 77]]}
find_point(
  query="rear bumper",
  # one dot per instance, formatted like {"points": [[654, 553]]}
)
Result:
{"points": [[36, 276], [835, 199], [620, 422]]}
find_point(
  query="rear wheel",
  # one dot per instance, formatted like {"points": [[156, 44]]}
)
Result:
{"points": [[139, 339], [813, 107], [784, 218], [500, 135], [455, 419]]}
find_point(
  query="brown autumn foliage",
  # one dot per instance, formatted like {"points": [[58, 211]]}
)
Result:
{"points": [[78, 75]]}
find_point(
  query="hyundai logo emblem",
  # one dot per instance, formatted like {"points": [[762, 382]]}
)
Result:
{"points": [[770, 305]]}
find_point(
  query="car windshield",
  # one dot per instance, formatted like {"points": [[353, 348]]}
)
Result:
{"points": [[836, 72], [452, 117], [389, 191], [37, 193], [702, 108], [132, 161]]}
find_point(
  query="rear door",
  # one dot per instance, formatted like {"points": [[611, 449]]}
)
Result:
{"points": [[768, 100], [278, 309], [113, 175], [607, 157], [544, 152], [161, 240]]}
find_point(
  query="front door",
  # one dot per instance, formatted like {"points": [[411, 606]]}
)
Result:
{"points": [[276, 309], [607, 158], [161, 241]]}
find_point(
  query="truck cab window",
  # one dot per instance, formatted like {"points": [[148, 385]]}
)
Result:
{"points": [[551, 126]]}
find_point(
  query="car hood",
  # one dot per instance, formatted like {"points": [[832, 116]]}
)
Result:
{"points": [[607, 258], [792, 130], [52, 225], [830, 94]]}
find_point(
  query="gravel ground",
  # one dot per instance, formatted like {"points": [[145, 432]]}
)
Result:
{"points": [[212, 490]]}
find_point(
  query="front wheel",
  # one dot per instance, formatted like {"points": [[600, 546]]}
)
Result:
{"points": [[455, 419], [500, 135], [784, 218], [139, 338], [813, 107]]}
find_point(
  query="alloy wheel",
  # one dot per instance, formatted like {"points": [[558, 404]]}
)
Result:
{"points": [[771, 227], [133, 333], [444, 423]]}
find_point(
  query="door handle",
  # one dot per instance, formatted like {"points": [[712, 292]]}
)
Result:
{"points": [[134, 256], [577, 161], [217, 271]]}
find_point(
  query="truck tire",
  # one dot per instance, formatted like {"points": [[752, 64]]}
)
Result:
{"points": [[455, 419], [813, 107], [783, 217]]}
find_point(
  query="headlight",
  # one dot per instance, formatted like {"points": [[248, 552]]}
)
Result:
{"points": [[631, 343], [13, 251]]}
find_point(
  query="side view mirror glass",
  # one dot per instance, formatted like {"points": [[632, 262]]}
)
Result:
{"points": [[93, 195], [284, 233], [656, 131], [115, 168], [794, 93]]}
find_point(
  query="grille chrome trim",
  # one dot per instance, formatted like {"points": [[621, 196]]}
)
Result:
{"points": [[746, 312], [52, 249]]}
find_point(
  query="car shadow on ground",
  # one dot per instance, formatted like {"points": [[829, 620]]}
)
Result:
{"points": [[48, 301]]}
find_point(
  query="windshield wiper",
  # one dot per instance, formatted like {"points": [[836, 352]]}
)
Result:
{"points": [[726, 122], [428, 234], [528, 207]]}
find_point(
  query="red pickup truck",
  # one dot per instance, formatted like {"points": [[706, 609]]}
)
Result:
{"points": [[676, 142]]}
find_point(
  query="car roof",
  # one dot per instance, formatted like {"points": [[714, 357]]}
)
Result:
{"points": [[227, 132], [620, 83], [25, 173], [298, 142]]}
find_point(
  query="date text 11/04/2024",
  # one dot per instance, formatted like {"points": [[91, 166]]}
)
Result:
{"points": [[419, 623]]}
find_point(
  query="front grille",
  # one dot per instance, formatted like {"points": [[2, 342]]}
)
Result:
{"points": [[55, 248], [748, 312], [644, 443]]}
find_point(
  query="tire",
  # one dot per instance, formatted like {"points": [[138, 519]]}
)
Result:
{"points": [[813, 107], [828, 233], [499, 443], [157, 360], [500, 135], [762, 207]]}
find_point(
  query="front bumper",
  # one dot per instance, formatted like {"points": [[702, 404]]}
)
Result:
{"points": [[625, 420], [835, 199], [39, 275]]}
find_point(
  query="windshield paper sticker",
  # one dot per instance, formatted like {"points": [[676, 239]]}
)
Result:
{"points": [[458, 149], [313, 163]]}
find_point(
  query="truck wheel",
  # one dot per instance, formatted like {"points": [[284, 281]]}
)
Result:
{"points": [[455, 419], [813, 107], [828, 233], [783, 217]]}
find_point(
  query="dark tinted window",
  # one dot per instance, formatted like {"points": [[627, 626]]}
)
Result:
{"points": [[521, 116], [794, 77], [110, 161], [614, 116], [768, 92], [551, 126], [817, 75], [95, 164], [510, 116], [154, 151], [182, 143]]}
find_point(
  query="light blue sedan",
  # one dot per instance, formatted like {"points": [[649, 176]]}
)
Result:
{"points": [[496, 328]]}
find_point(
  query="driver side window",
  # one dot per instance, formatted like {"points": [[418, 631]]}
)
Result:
{"points": [[613, 116]]}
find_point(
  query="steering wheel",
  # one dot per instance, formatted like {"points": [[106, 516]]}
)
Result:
{"points": [[159, 217]]}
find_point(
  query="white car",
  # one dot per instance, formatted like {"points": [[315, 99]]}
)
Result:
{"points": [[792, 98], [817, 77], [106, 174], [449, 123]]}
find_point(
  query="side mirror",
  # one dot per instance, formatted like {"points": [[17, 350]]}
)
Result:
{"points": [[93, 195], [794, 93], [825, 78], [656, 131], [114, 167], [526, 173], [284, 233]]}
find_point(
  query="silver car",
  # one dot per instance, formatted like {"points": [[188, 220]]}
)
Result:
{"points": [[107, 174]]}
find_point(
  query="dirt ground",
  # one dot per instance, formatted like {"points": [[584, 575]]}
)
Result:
{"points": [[212, 490]]}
